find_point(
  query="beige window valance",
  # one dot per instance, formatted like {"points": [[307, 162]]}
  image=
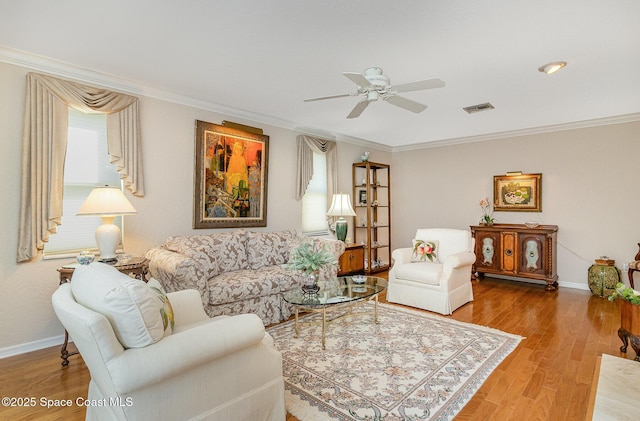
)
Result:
{"points": [[44, 142], [306, 146]]}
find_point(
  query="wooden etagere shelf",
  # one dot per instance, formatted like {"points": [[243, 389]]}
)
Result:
{"points": [[372, 203]]}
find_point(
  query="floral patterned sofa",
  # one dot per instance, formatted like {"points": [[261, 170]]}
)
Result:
{"points": [[236, 272]]}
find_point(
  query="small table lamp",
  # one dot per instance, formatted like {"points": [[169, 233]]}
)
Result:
{"points": [[107, 202], [341, 206]]}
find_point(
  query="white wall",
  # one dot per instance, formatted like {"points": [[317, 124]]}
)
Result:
{"points": [[27, 320], [589, 186]]}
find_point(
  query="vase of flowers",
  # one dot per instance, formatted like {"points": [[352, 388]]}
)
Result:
{"points": [[307, 259], [487, 215]]}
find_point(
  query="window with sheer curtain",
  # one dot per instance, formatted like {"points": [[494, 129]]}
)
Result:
{"points": [[314, 201], [86, 166]]}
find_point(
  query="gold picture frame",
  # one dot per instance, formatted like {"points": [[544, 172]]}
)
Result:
{"points": [[517, 193], [230, 180]]}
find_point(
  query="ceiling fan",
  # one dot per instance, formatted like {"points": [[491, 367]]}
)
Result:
{"points": [[373, 85]]}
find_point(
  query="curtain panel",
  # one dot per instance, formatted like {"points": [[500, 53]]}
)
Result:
{"points": [[306, 146], [44, 143]]}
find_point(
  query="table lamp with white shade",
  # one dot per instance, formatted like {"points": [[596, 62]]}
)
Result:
{"points": [[341, 206], [107, 202]]}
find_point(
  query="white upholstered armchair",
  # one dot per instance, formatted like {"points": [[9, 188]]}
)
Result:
{"points": [[441, 285], [224, 368]]}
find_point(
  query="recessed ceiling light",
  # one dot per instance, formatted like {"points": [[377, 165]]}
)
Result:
{"points": [[551, 68]]}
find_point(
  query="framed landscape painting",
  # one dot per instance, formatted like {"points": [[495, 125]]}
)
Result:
{"points": [[522, 192], [230, 180]]}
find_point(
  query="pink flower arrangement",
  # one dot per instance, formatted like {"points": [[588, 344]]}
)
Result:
{"points": [[487, 215]]}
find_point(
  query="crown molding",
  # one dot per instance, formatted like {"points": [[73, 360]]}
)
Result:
{"points": [[626, 118], [66, 70], [84, 75]]}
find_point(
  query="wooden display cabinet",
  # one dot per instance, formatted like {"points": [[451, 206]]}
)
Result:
{"points": [[351, 262], [372, 203], [517, 250]]}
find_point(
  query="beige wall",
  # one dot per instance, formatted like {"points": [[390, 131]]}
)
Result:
{"points": [[28, 321], [589, 185], [589, 180]]}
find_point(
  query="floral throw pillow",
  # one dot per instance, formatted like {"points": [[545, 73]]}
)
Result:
{"points": [[166, 312], [424, 251]]}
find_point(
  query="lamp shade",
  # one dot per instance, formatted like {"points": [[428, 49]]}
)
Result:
{"points": [[341, 206], [106, 201]]}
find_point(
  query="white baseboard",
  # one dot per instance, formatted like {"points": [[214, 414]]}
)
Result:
{"points": [[10, 351], [572, 285]]}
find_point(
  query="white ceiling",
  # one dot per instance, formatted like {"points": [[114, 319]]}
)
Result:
{"points": [[259, 59]]}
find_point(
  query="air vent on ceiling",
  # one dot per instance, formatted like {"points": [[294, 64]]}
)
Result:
{"points": [[477, 108]]}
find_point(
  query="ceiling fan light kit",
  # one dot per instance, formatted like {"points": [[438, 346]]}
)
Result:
{"points": [[551, 68], [374, 85]]}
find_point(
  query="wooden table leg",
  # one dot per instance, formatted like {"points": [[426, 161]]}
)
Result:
{"points": [[64, 352]]}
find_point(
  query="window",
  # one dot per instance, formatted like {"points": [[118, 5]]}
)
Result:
{"points": [[314, 201], [86, 166]]}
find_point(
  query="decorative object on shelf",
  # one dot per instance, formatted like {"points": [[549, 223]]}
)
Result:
{"points": [[531, 224], [517, 192], [603, 277], [85, 257], [107, 202], [308, 258], [362, 197], [487, 215], [364, 157], [340, 207], [230, 183]]}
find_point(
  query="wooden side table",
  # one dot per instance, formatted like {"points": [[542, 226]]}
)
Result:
{"points": [[136, 267], [351, 262]]}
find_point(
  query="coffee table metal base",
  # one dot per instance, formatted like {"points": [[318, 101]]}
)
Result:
{"points": [[325, 322]]}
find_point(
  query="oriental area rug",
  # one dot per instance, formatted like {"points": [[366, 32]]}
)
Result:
{"points": [[410, 366]]}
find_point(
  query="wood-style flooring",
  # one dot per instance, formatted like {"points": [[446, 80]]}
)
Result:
{"points": [[547, 377]]}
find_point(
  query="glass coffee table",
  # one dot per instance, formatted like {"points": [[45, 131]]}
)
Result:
{"points": [[342, 293]]}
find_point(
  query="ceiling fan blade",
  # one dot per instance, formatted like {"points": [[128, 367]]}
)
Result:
{"points": [[357, 78], [326, 97], [419, 85], [358, 109], [406, 103]]}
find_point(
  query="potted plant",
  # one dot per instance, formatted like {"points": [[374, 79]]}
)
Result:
{"points": [[308, 258], [487, 216], [629, 317]]}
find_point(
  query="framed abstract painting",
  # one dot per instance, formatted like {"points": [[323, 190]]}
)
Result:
{"points": [[230, 180]]}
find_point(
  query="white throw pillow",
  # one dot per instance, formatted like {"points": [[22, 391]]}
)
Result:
{"points": [[131, 307], [424, 251]]}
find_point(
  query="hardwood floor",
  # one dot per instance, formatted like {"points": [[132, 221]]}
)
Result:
{"points": [[548, 377]]}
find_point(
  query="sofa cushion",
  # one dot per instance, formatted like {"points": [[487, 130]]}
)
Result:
{"points": [[247, 284], [129, 304], [423, 272], [424, 251], [217, 253], [268, 248]]}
